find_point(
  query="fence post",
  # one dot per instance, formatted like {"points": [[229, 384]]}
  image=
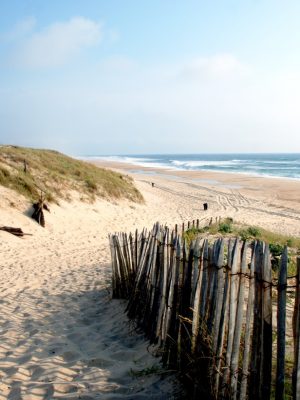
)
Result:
{"points": [[223, 320], [217, 329], [232, 315], [255, 382], [204, 279], [164, 284], [281, 326], [238, 326], [248, 329], [266, 364], [296, 334], [170, 329], [197, 280]]}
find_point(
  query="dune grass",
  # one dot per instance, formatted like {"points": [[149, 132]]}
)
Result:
{"points": [[58, 175]]}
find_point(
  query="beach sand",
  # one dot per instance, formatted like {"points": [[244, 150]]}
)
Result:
{"points": [[61, 334]]}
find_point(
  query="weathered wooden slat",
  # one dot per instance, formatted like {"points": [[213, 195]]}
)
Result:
{"points": [[121, 266], [170, 335], [213, 286], [257, 345], [195, 271], [266, 364], [197, 284], [238, 324], [132, 256], [296, 334], [163, 283], [223, 328], [210, 281], [180, 302], [115, 284], [219, 295], [232, 316], [171, 274], [140, 277], [167, 278], [248, 330], [151, 280], [281, 326], [204, 279], [174, 332]]}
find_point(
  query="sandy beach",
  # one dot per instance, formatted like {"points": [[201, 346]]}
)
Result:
{"points": [[61, 334]]}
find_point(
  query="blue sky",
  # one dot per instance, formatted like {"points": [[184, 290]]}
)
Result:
{"points": [[126, 77]]}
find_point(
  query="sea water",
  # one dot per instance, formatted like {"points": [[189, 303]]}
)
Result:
{"points": [[270, 165]]}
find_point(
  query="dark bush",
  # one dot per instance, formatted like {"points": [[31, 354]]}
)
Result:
{"points": [[276, 249], [225, 228]]}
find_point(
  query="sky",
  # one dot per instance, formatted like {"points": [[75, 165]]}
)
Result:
{"points": [[95, 77]]}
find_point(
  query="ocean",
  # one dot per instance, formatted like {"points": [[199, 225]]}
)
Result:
{"points": [[268, 165]]}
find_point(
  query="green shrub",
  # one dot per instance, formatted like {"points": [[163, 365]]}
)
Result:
{"points": [[225, 228], [250, 233], [254, 232], [244, 234], [276, 249]]}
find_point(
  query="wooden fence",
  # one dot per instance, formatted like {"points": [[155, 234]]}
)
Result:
{"points": [[215, 310]]}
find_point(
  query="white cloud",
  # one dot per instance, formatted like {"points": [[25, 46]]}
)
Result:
{"points": [[58, 43], [217, 66]]}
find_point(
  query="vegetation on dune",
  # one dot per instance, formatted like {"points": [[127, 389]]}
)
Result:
{"points": [[58, 175], [228, 228]]}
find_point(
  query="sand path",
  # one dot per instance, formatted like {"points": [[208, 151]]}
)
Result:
{"points": [[61, 334]]}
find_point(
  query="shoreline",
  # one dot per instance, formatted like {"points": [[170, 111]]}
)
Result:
{"points": [[134, 161], [212, 178]]}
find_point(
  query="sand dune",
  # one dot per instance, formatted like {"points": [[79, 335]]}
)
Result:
{"points": [[61, 334]]}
